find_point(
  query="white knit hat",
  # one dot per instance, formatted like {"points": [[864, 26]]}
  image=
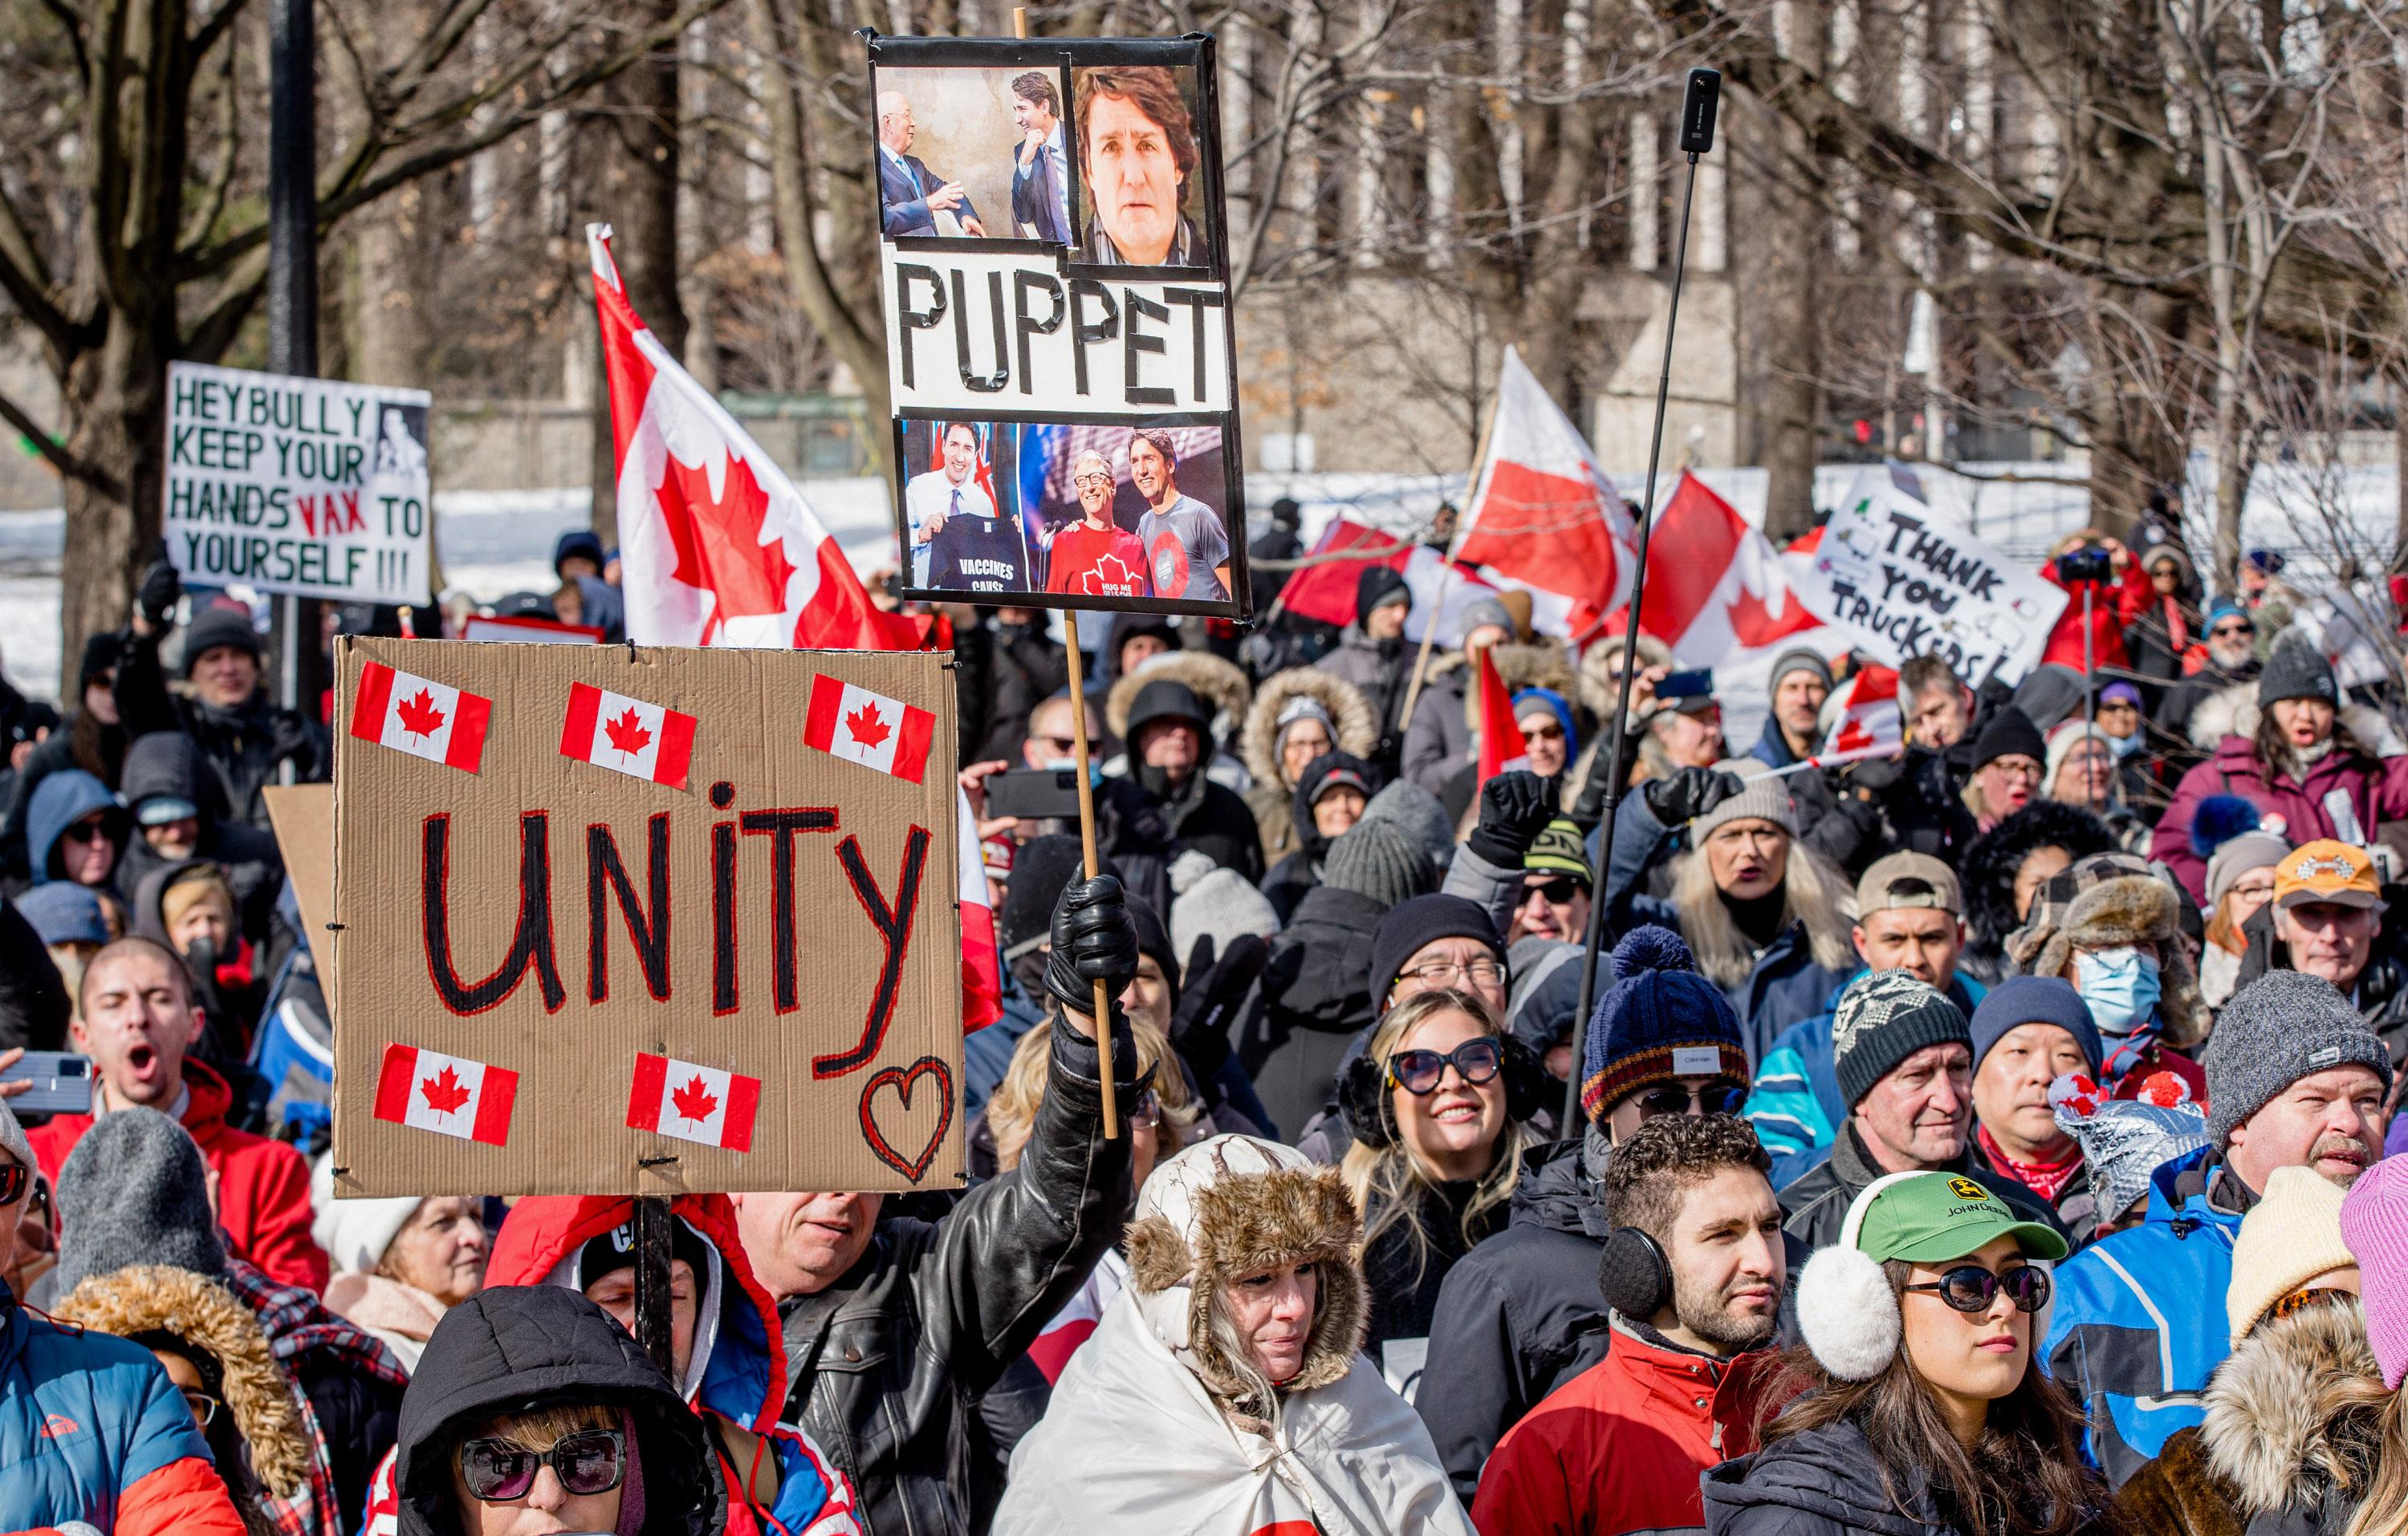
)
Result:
{"points": [[2290, 1236], [355, 1233]]}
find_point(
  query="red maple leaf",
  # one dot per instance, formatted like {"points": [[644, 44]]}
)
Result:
{"points": [[718, 538], [627, 733], [419, 716], [694, 1102], [443, 1092], [866, 727], [1110, 577]]}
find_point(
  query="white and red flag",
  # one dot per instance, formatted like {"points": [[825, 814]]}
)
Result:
{"points": [[450, 1096], [847, 721], [692, 1103], [628, 736], [981, 963], [1543, 517], [1715, 585], [422, 717], [718, 546], [1870, 722], [1324, 587], [1502, 749]]}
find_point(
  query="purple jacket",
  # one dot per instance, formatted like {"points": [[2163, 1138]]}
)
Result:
{"points": [[2378, 792]]}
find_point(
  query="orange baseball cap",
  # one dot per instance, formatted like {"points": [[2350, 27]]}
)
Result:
{"points": [[2327, 870]]}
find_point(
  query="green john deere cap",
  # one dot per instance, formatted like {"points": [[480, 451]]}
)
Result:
{"points": [[1928, 1218]]}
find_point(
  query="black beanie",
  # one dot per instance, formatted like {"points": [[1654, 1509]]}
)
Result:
{"points": [[607, 1252], [1039, 873], [1376, 586], [214, 626], [1154, 940], [1409, 925], [100, 655], [2296, 671], [2009, 733]]}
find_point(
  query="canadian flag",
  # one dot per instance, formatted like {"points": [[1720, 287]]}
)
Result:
{"points": [[1502, 750], [626, 735], [878, 732], [1324, 587], [450, 1096], [692, 1103], [1869, 723], [719, 548], [419, 716], [1715, 585], [1541, 516]]}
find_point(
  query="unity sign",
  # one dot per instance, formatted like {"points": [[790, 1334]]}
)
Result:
{"points": [[1053, 257], [611, 920]]}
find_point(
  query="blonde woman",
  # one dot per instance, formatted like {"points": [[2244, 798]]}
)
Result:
{"points": [[1439, 1107]]}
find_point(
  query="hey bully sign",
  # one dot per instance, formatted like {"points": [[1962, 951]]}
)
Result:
{"points": [[643, 920]]}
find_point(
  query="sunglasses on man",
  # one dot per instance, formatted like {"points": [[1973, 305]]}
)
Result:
{"points": [[1970, 1288], [590, 1461], [91, 831], [1557, 891], [2234, 631], [1720, 1097]]}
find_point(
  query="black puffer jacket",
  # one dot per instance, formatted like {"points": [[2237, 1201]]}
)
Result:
{"points": [[34, 1004], [1316, 994], [889, 1363], [1989, 876], [1518, 1315], [1825, 1482], [170, 763], [246, 746], [518, 1343]]}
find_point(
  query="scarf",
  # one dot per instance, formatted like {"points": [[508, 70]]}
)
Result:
{"points": [[2043, 1179]]}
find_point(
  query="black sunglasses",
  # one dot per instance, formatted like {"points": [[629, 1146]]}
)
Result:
{"points": [[1970, 1288], [589, 1461], [13, 1179], [1558, 891], [1418, 1072], [1720, 1097], [2227, 631], [86, 832]]}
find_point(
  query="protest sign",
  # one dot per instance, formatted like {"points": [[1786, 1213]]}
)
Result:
{"points": [[1908, 579], [304, 818], [664, 930], [309, 486], [1052, 257]]}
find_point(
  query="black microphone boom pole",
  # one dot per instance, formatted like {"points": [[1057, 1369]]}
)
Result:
{"points": [[1698, 106]]}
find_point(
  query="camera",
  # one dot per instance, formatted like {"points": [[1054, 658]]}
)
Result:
{"points": [[2087, 563]]}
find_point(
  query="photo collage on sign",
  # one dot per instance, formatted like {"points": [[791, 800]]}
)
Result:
{"points": [[1054, 262]]}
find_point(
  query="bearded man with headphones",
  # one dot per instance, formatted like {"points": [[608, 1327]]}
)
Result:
{"points": [[1692, 1275]]}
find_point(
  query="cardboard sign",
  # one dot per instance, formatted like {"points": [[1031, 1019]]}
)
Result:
{"points": [[1053, 256], [1908, 579], [302, 485], [304, 818], [672, 931]]}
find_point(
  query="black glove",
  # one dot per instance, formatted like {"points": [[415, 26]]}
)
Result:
{"points": [[1688, 794], [160, 588], [1514, 809], [1209, 995], [1876, 774], [1093, 941]]}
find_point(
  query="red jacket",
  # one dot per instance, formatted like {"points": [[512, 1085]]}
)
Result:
{"points": [[1619, 1448], [263, 1186], [2111, 609]]}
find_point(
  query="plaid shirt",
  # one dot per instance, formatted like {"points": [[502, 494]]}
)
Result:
{"points": [[299, 1328]]}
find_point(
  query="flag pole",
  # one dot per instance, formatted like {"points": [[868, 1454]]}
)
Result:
{"points": [[1697, 105], [1437, 605]]}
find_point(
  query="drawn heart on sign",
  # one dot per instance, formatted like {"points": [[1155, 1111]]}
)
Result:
{"points": [[901, 1080]]}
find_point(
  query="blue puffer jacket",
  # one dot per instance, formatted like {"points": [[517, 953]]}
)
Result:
{"points": [[92, 1434], [1795, 1105], [2137, 1326]]}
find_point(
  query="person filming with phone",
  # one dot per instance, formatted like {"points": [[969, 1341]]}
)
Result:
{"points": [[2120, 592]]}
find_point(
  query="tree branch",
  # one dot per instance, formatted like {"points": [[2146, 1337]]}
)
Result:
{"points": [[57, 455]]}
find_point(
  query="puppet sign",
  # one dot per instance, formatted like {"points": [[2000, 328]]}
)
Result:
{"points": [[300, 485], [1053, 255], [614, 920], [1908, 579]]}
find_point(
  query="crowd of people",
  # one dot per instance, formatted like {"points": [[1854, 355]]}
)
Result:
{"points": [[1987, 1139]]}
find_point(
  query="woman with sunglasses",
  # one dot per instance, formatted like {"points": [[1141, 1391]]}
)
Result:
{"points": [[1438, 1108], [1923, 1408], [532, 1411]]}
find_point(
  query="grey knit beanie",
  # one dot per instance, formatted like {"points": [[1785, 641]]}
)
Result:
{"points": [[1884, 1017], [12, 1139], [2285, 1026], [2296, 671], [134, 1191], [1376, 860], [1416, 813], [1765, 798]]}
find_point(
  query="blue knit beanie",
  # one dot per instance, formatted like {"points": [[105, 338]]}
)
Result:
{"points": [[1661, 1021], [1559, 707], [2035, 999]]}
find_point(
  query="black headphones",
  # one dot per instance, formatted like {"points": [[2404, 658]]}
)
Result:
{"points": [[1634, 1274], [1363, 1091]]}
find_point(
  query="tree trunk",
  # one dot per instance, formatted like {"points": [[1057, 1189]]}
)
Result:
{"points": [[1779, 321], [116, 397], [395, 259]]}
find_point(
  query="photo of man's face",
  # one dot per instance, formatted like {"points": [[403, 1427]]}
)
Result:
{"points": [[1031, 116], [1149, 471], [1093, 479], [1136, 152], [961, 452]]}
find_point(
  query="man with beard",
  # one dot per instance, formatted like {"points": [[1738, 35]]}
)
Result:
{"points": [[1186, 547], [2228, 654], [1096, 556], [1692, 1275]]}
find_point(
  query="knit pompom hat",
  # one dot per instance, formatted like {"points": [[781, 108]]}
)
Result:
{"points": [[2374, 1225], [2290, 1236], [1662, 1020]]}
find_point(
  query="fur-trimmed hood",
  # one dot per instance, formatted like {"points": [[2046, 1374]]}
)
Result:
{"points": [[1220, 684], [1519, 666], [154, 1299], [1356, 731], [1600, 690], [1226, 1208], [2126, 909], [2295, 1405]]}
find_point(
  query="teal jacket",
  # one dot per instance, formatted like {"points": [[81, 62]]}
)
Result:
{"points": [[1795, 1105]]}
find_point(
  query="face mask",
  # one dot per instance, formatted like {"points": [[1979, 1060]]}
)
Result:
{"points": [[1070, 765], [2123, 746], [2121, 987]]}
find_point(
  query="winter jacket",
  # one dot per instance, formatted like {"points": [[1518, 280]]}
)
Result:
{"points": [[736, 1371], [1833, 819], [1269, 797], [1519, 1315], [170, 763], [2274, 1455], [1405, 1276], [1825, 1482], [1211, 819], [1814, 1205], [498, 1348], [1989, 877], [2174, 711], [1795, 1105], [1619, 1449], [33, 1003], [247, 746], [1316, 998], [2161, 634], [1299, 872], [1381, 671], [263, 1186], [398, 1314], [65, 798], [2112, 607], [92, 1434], [889, 1362], [2376, 789], [2137, 1325]]}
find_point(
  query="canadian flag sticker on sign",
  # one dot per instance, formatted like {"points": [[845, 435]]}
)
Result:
{"points": [[627, 735], [422, 717], [871, 729], [692, 1103], [450, 1096]]}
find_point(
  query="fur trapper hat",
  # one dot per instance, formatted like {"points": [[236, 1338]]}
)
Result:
{"points": [[154, 1299], [1350, 712], [2103, 901], [1231, 1206], [1600, 690], [1220, 684]]}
